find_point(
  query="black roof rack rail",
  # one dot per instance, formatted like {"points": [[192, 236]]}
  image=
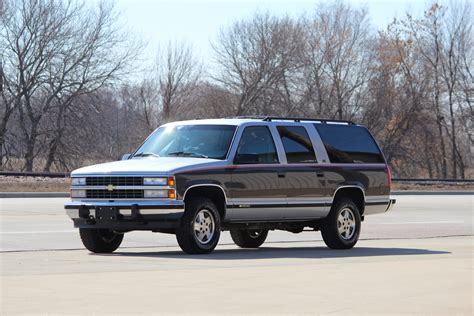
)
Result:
{"points": [[299, 119], [244, 117], [295, 119]]}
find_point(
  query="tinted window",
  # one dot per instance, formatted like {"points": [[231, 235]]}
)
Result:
{"points": [[256, 146], [297, 144], [349, 144]]}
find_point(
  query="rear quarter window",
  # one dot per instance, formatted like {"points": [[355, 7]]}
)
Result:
{"points": [[349, 144]]}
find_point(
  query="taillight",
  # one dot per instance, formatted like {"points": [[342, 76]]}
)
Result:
{"points": [[389, 174]]}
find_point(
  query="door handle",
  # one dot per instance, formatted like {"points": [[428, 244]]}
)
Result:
{"points": [[320, 174], [281, 174]]}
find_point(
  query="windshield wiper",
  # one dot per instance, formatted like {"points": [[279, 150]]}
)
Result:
{"points": [[187, 153], [146, 155]]}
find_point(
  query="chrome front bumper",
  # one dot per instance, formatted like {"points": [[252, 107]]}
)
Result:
{"points": [[125, 208]]}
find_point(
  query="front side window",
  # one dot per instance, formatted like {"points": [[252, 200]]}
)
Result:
{"points": [[256, 146], [297, 144], [199, 141]]}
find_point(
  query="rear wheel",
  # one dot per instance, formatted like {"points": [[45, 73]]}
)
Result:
{"points": [[100, 240], [341, 229], [249, 238], [200, 227]]}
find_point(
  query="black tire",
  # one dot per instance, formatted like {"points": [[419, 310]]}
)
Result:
{"points": [[249, 238], [332, 236], [193, 240], [100, 240]]}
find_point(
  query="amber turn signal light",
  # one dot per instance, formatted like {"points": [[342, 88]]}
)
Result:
{"points": [[171, 194], [170, 181]]}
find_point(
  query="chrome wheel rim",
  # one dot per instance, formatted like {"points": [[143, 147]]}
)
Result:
{"points": [[204, 226], [346, 224]]}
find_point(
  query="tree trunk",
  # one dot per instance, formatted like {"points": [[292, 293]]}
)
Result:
{"points": [[30, 154], [453, 135]]}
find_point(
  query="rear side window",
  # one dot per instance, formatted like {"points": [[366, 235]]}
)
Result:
{"points": [[256, 146], [297, 144], [349, 144]]}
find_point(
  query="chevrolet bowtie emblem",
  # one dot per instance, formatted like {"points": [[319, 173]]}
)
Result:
{"points": [[110, 187]]}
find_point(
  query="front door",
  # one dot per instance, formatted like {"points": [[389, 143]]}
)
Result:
{"points": [[256, 186]]}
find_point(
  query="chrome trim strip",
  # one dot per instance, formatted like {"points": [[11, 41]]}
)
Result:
{"points": [[143, 174], [375, 209], [74, 213], [126, 203], [308, 200], [159, 200], [121, 187], [376, 198], [160, 211], [348, 186], [206, 185], [254, 201]]}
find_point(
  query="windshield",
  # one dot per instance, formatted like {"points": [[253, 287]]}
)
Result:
{"points": [[200, 141]]}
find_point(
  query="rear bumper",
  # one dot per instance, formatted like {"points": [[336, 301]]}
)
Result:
{"points": [[125, 215], [391, 204]]}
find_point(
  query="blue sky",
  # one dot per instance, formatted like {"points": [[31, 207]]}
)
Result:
{"points": [[198, 21]]}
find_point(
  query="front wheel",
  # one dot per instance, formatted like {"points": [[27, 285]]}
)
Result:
{"points": [[200, 227], [100, 240], [249, 238], [341, 229]]}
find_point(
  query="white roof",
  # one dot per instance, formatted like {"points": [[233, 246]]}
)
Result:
{"points": [[220, 121]]}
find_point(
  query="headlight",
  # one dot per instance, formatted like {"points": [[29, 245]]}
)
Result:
{"points": [[159, 181], [78, 193], [78, 181], [155, 193], [155, 181]]}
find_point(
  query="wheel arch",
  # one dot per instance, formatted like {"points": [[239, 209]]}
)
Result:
{"points": [[355, 192], [214, 192]]}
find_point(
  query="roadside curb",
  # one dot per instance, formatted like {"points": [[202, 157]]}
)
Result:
{"points": [[4, 195]]}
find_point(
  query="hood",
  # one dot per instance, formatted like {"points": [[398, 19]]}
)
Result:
{"points": [[148, 165]]}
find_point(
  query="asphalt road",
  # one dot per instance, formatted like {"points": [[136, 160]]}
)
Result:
{"points": [[418, 258]]}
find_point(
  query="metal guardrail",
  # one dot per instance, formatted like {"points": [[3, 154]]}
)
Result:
{"points": [[433, 180], [34, 174], [67, 174]]}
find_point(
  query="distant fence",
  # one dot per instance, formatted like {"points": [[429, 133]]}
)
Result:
{"points": [[67, 174]]}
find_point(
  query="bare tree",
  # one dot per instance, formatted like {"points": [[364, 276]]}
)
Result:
{"points": [[337, 58], [143, 99], [177, 73], [255, 56], [57, 51]]}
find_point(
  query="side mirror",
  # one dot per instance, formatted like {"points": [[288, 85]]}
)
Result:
{"points": [[246, 159], [126, 156]]}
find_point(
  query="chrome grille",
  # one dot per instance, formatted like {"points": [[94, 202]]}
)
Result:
{"points": [[115, 194], [116, 181]]}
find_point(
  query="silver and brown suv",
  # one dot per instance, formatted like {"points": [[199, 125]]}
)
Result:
{"points": [[246, 175]]}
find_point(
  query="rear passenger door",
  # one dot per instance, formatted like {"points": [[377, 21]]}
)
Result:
{"points": [[304, 181], [256, 189]]}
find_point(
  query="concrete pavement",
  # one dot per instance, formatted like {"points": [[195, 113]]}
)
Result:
{"points": [[417, 259]]}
